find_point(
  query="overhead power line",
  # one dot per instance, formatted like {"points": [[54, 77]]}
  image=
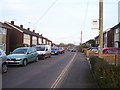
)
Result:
{"points": [[85, 16], [86, 12], [47, 10]]}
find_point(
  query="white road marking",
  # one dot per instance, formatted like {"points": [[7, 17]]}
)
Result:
{"points": [[55, 84]]}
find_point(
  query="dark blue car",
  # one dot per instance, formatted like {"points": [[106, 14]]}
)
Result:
{"points": [[54, 51]]}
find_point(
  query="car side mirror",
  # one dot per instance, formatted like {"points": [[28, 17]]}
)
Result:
{"points": [[46, 49]]}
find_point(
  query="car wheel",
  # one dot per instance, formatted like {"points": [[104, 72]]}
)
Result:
{"points": [[43, 58], [4, 68], [24, 62], [36, 60], [50, 56]]}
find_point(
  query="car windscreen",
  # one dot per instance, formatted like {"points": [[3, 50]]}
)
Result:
{"points": [[54, 49], [41, 48], [19, 51]]}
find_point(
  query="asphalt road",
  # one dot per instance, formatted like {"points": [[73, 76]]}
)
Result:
{"points": [[79, 74], [41, 74], [54, 72]]}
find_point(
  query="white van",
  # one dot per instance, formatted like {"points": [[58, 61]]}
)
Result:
{"points": [[44, 51]]}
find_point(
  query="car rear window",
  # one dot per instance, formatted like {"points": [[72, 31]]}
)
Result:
{"points": [[110, 51], [118, 51]]}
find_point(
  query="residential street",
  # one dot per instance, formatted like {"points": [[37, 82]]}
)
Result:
{"points": [[79, 75], [69, 70]]}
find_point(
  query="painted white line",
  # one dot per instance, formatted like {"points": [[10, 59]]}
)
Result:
{"points": [[55, 84]]}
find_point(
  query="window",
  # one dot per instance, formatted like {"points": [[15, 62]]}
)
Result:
{"points": [[0, 53], [116, 44], [118, 51], [26, 39], [44, 41], [20, 51], [110, 51], [33, 50], [34, 40], [3, 31], [40, 40], [117, 30], [40, 48]]}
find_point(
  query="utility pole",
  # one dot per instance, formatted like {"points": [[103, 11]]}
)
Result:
{"points": [[100, 28], [81, 38]]}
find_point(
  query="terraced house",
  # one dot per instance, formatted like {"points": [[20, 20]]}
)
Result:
{"points": [[111, 37], [4, 37], [19, 36]]}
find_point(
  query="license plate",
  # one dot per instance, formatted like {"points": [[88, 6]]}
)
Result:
{"points": [[10, 61]]}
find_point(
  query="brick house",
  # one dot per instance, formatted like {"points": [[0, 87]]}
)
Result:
{"points": [[116, 35], [19, 36], [5, 37], [111, 37]]}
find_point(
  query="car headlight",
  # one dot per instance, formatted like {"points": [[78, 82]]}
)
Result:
{"points": [[18, 58]]}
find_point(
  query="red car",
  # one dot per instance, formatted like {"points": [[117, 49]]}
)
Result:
{"points": [[110, 50], [61, 50]]}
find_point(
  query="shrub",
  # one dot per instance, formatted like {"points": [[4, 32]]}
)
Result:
{"points": [[108, 76]]}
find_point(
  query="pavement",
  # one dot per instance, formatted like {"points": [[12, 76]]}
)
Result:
{"points": [[79, 75]]}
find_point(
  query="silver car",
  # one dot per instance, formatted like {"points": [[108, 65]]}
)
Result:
{"points": [[3, 63]]}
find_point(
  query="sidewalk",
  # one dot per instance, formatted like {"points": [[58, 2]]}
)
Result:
{"points": [[79, 75]]}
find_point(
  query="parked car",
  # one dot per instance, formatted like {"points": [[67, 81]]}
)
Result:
{"points": [[110, 50], [44, 51], [22, 56], [54, 51], [61, 50], [3, 62], [93, 48]]}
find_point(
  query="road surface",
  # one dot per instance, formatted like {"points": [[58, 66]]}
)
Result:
{"points": [[69, 70]]}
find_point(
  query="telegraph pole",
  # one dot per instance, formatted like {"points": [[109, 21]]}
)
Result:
{"points": [[100, 28], [81, 38]]}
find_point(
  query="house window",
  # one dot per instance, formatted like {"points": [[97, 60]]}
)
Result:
{"points": [[116, 38], [116, 45], [34, 40], [26, 39], [40, 40], [117, 30], [44, 41], [3, 33], [105, 40]]}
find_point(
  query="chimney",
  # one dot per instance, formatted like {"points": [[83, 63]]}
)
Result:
{"points": [[28, 29], [34, 31], [12, 22], [21, 26]]}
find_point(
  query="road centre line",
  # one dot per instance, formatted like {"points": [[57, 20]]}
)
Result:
{"points": [[64, 71]]}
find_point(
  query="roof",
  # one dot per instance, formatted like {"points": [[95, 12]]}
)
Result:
{"points": [[23, 29], [4, 25]]}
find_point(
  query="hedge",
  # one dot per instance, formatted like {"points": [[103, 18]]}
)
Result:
{"points": [[107, 76]]}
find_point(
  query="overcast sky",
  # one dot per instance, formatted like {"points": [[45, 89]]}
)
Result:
{"points": [[60, 20]]}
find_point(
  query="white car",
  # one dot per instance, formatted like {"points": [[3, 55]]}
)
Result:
{"points": [[44, 51], [3, 63]]}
